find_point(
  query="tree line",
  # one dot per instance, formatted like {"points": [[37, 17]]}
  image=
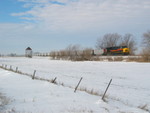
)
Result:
{"points": [[114, 39], [72, 52], [76, 52]]}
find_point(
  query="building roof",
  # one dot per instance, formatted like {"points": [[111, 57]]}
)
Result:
{"points": [[28, 48]]}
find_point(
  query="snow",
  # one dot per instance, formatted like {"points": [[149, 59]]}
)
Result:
{"points": [[128, 92]]}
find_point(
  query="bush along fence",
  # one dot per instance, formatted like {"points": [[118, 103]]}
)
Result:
{"points": [[34, 77]]}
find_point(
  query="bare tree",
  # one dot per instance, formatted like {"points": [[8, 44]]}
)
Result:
{"points": [[71, 51], [146, 39], [63, 54], [108, 40], [129, 41], [146, 49], [53, 54], [87, 54]]}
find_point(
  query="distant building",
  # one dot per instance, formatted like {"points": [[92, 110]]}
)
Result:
{"points": [[28, 52]]}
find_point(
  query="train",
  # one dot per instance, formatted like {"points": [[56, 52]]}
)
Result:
{"points": [[117, 50]]}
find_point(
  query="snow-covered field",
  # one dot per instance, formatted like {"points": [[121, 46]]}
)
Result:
{"points": [[129, 91]]}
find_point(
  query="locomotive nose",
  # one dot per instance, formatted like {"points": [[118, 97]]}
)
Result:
{"points": [[125, 49]]}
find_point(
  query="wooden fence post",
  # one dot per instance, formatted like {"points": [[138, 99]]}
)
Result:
{"points": [[16, 69], [5, 66], [78, 84], [106, 89], [10, 67], [2, 65], [53, 81], [34, 74]]}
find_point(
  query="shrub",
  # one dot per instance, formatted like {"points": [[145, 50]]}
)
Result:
{"points": [[145, 56], [118, 58]]}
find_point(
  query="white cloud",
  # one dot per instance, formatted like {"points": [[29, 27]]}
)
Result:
{"points": [[83, 14]]}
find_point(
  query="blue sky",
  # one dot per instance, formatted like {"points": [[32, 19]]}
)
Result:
{"points": [[47, 25]]}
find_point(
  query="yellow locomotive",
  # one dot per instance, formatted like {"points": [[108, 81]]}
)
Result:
{"points": [[117, 50]]}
